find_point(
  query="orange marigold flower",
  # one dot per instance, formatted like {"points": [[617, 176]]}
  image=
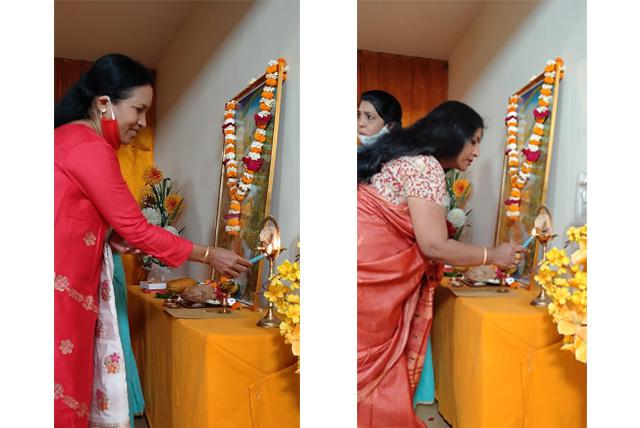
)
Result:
{"points": [[460, 186], [259, 137], [229, 150], [265, 107], [232, 173], [545, 92], [538, 131], [271, 82], [543, 103], [267, 94], [233, 222], [511, 132], [228, 131], [145, 197], [549, 80], [228, 116], [152, 175], [172, 203], [513, 162], [255, 150], [515, 193], [513, 207], [231, 105], [272, 68], [234, 205]]}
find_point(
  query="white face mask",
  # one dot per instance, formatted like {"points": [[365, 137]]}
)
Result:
{"points": [[370, 139]]}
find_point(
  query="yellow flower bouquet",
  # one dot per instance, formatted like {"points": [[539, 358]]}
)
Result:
{"points": [[281, 292], [565, 280]]}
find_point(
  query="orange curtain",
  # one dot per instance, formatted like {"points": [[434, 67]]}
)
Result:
{"points": [[420, 84], [134, 157]]}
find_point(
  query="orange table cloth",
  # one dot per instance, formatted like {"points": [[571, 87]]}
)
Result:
{"points": [[498, 364], [199, 373]]}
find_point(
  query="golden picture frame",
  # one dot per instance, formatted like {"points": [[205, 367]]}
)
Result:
{"points": [[534, 193], [257, 203]]}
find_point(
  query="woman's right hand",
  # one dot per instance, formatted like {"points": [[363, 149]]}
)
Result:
{"points": [[505, 256], [227, 262]]}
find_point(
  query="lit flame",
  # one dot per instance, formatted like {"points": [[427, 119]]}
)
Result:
{"points": [[269, 249], [276, 241]]}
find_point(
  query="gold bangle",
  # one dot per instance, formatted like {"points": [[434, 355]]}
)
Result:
{"points": [[484, 258], [206, 254]]}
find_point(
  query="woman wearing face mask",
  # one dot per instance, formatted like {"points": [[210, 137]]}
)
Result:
{"points": [[104, 109], [379, 113], [402, 237]]}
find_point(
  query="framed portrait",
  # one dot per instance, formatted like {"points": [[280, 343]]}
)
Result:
{"points": [[534, 192], [257, 202]]}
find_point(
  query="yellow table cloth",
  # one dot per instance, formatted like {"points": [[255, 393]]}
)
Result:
{"points": [[498, 364], [199, 373]]}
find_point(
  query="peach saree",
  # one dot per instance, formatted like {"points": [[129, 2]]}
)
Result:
{"points": [[395, 303]]}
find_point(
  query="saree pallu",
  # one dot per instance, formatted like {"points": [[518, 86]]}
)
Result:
{"points": [[395, 301]]}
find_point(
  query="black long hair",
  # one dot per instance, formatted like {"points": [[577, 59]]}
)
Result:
{"points": [[386, 105], [114, 75], [442, 133]]}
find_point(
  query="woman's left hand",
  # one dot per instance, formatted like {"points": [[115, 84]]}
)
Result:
{"points": [[120, 245]]}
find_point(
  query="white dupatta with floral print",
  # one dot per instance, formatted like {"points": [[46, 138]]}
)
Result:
{"points": [[109, 405]]}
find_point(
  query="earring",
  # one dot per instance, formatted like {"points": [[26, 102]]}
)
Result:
{"points": [[103, 110]]}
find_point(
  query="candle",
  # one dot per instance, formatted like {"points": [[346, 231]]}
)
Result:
{"points": [[257, 258], [528, 241]]}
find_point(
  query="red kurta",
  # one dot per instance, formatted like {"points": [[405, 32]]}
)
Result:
{"points": [[90, 197]]}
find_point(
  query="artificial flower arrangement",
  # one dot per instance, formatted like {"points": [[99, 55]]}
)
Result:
{"points": [[520, 170], [282, 292], [565, 280], [161, 206], [239, 183], [458, 192]]}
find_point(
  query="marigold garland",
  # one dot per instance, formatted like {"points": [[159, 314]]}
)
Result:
{"points": [[240, 184], [519, 172]]}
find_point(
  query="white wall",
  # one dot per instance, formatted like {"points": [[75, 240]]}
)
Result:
{"points": [[219, 48], [507, 44]]}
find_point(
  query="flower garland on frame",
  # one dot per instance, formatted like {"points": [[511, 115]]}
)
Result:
{"points": [[519, 172], [240, 184]]}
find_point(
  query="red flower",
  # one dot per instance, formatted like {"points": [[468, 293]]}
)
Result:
{"points": [[511, 201], [531, 156], [252, 165], [500, 274], [262, 121], [226, 125], [229, 216], [540, 114], [451, 230]]}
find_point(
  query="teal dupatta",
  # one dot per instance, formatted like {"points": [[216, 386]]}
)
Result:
{"points": [[134, 390]]}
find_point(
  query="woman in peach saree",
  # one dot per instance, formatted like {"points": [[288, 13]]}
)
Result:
{"points": [[402, 245]]}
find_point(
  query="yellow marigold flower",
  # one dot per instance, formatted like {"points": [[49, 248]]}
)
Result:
{"points": [[293, 298], [557, 257], [289, 271], [293, 312], [172, 203], [152, 175], [460, 187]]}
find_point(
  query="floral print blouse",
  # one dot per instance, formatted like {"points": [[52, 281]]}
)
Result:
{"points": [[411, 176]]}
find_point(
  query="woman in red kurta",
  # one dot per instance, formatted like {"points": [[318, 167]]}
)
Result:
{"points": [[402, 237], [105, 108]]}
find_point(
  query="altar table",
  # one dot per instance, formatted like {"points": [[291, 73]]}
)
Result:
{"points": [[199, 373], [498, 364]]}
